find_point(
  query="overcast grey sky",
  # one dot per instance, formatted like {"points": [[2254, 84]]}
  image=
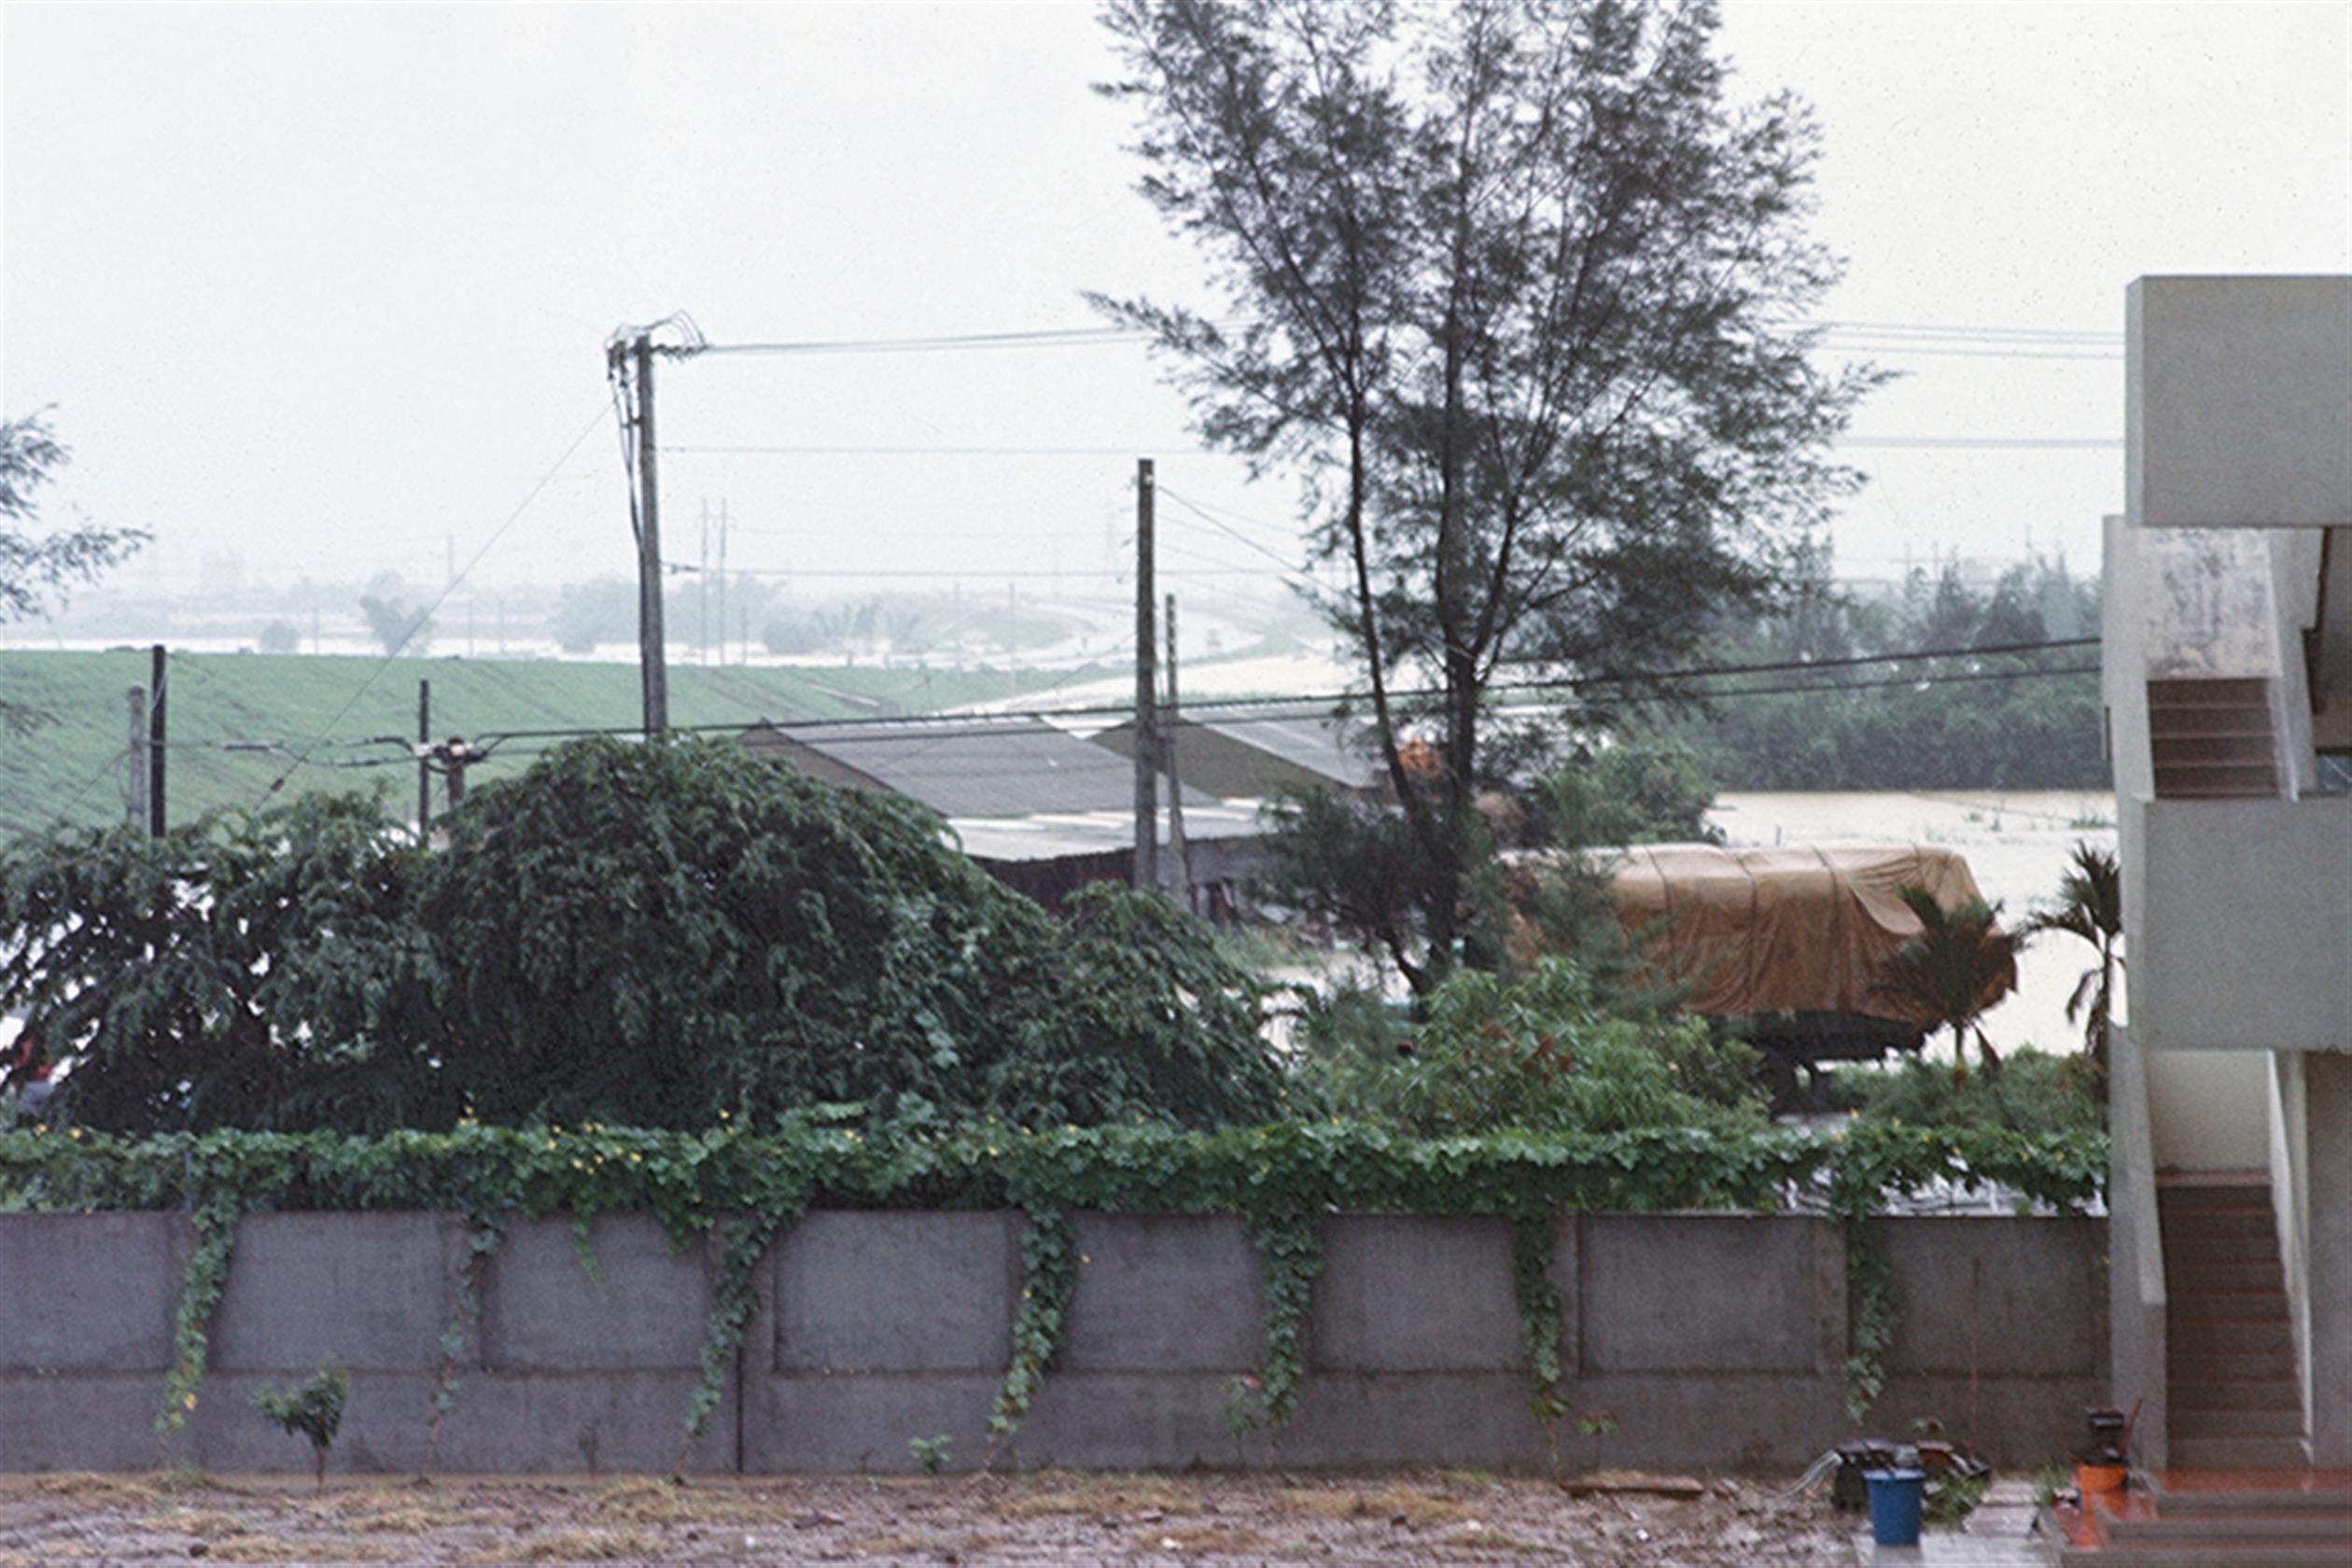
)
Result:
{"points": [[327, 287]]}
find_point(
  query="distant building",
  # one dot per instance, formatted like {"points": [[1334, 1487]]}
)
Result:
{"points": [[1254, 752], [1040, 809]]}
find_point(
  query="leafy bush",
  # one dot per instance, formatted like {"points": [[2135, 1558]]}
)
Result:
{"points": [[312, 1410], [2033, 1093], [239, 972], [1539, 1054], [663, 935]]}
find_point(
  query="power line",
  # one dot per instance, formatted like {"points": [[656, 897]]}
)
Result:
{"points": [[1906, 442], [934, 730], [1309, 702], [1082, 337], [394, 652]]}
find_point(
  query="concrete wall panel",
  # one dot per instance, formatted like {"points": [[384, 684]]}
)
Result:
{"points": [[2238, 410], [1713, 1340], [1404, 1294], [2244, 913], [92, 1293], [607, 1421], [896, 1292], [1688, 1292], [643, 1308], [89, 1420], [365, 1291], [836, 1424], [1993, 1284], [1164, 1293], [384, 1424]]}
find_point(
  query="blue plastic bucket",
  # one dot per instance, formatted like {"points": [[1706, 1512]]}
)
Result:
{"points": [[1895, 1500]]}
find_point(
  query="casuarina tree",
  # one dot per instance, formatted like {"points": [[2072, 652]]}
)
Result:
{"points": [[34, 568], [1519, 292]]}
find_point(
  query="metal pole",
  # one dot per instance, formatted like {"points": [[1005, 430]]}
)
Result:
{"points": [[156, 819], [1179, 868], [424, 764], [135, 797], [653, 675], [1146, 728]]}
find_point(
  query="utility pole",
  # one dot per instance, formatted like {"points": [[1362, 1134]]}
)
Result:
{"points": [[136, 792], [722, 579], [455, 754], [424, 762], [156, 820], [702, 585], [1146, 726], [1179, 868], [653, 676]]}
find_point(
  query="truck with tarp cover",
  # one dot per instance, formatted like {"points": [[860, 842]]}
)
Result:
{"points": [[1785, 945]]}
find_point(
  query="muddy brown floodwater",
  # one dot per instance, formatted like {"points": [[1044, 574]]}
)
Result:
{"points": [[1048, 1518]]}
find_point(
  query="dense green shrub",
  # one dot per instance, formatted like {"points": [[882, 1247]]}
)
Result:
{"points": [[1536, 1054], [661, 935], [239, 972], [2033, 1093]]}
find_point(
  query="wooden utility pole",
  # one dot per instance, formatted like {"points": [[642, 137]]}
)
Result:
{"points": [[1179, 863], [135, 795], [654, 676], [425, 762], [156, 817], [1146, 728]]}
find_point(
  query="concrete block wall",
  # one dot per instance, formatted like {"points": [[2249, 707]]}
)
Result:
{"points": [[1716, 1341]]}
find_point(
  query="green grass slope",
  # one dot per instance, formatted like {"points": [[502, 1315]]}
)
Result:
{"points": [[71, 769]]}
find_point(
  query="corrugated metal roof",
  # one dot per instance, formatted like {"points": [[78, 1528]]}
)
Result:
{"points": [[1249, 753], [966, 767], [1059, 837]]}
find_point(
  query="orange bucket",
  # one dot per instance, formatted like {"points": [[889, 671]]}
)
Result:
{"points": [[2093, 1479]]}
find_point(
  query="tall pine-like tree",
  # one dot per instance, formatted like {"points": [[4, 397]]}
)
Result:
{"points": [[1519, 292]]}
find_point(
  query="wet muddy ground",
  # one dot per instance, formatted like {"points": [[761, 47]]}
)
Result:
{"points": [[1449, 1516]]}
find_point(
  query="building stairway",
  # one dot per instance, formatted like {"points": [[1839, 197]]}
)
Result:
{"points": [[2240, 1490], [2212, 740], [2217, 1518], [2235, 1400]]}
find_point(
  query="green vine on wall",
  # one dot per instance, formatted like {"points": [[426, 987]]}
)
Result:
{"points": [[1278, 1177], [1543, 1322], [1049, 1276], [1290, 1250], [216, 1221], [483, 1235]]}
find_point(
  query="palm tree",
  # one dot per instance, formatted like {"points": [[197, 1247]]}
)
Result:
{"points": [[2090, 907], [1957, 967]]}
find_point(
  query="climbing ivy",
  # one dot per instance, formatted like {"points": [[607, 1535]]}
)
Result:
{"points": [[1049, 1276], [1281, 1178], [1543, 1322], [484, 1232], [1290, 1249]]}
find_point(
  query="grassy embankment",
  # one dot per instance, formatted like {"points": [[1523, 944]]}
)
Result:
{"points": [[71, 769]]}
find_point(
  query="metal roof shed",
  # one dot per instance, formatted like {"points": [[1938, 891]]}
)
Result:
{"points": [[962, 767]]}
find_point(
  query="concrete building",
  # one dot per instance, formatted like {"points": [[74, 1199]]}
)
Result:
{"points": [[2227, 674]]}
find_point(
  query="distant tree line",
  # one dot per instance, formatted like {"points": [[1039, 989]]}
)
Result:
{"points": [[1976, 720]]}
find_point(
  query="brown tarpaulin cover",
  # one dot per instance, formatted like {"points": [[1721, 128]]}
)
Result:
{"points": [[1783, 930]]}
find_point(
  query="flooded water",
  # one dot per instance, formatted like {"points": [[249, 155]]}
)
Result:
{"points": [[2017, 844]]}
